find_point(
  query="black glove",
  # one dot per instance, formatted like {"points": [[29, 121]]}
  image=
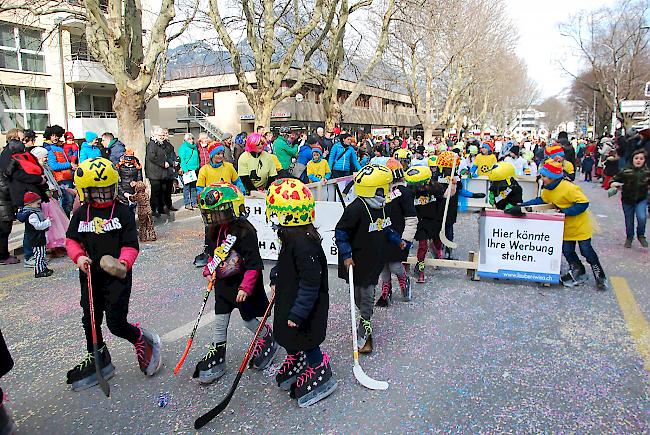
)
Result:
{"points": [[514, 211], [478, 195]]}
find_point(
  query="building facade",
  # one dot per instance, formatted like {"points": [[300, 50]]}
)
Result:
{"points": [[47, 76], [186, 104]]}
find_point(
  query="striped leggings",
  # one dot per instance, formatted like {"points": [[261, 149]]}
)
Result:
{"points": [[39, 259]]}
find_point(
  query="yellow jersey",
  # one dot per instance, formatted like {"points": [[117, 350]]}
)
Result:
{"points": [[208, 174], [318, 169], [565, 195], [484, 163]]}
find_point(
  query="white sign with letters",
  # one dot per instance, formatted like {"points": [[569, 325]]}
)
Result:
{"points": [[527, 248], [327, 216]]}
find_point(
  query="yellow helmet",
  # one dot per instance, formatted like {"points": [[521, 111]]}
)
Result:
{"points": [[417, 175], [289, 203], [433, 160], [446, 159], [403, 153], [370, 178], [97, 172], [501, 171]]}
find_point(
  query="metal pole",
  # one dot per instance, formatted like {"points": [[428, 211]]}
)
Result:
{"points": [[613, 128], [62, 72], [594, 129]]}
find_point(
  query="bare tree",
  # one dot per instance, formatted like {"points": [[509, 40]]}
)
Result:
{"points": [[276, 33], [134, 55], [613, 43], [556, 111], [334, 52]]}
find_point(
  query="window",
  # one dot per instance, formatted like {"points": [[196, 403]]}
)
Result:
{"points": [[20, 48], [79, 48], [25, 107], [93, 106]]}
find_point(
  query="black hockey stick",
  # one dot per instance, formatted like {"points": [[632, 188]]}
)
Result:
{"points": [[208, 416], [103, 384]]}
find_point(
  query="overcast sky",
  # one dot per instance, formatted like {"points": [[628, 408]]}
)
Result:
{"points": [[540, 43]]}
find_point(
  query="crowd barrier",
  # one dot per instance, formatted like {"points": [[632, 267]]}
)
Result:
{"points": [[331, 195]]}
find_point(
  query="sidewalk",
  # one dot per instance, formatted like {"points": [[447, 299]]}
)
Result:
{"points": [[18, 228]]}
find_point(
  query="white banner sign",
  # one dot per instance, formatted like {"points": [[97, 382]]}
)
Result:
{"points": [[527, 248], [327, 216], [381, 132]]}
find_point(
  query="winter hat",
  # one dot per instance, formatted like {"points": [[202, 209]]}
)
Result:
{"points": [[30, 197], [129, 152], [552, 169], [317, 148], [39, 152], [419, 149], [553, 151], [215, 147], [68, 135], [486, 146], [226, 136], [90, 136], [514, 149]]}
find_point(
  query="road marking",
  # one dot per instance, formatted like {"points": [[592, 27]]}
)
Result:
{"points": [[594, 223], [185, 330], [207, 318], [191, 218], [17, 275], [634, 319]]}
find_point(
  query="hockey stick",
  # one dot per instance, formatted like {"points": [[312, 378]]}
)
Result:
{"points": [[208, 416], [103, 384], [361, 376], [196, 325], [443, 237]]}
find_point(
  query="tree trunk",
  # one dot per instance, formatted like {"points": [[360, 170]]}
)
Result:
{"points": [[428, 133], [332, 115], [263, 114], [129, 108]]}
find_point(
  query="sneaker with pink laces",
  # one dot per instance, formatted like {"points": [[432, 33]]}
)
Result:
{"points": [[264, 350], [386, 294], [315, 383], [147, 350], [290, 369]]}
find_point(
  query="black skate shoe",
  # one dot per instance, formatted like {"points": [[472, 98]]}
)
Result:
{"points": [[83, 375], [44, 273], [405, 286], [7, 425], [577, 275], [264, 350], [315, 383], [386, 294], [602, 282], [213, 364], [147, 350], [364, 336], [643, 241], [449, 254], [292, 366]]}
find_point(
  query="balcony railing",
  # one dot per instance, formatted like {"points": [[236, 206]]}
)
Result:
{"points": [[91, 114], [83, 56]]}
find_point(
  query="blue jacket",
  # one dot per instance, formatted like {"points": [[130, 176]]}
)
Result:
{"points": [[116, 150], [88, 151], [304, 155], [343, 159]]}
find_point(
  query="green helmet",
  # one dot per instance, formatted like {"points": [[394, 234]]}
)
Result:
{"points": [[220, 202]]}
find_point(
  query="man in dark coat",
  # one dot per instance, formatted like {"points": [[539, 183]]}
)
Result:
{"points": [[7, 211], [156, 169]]}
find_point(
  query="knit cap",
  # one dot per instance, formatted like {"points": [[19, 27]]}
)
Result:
{"points": [[552, 169], [553, 151]]}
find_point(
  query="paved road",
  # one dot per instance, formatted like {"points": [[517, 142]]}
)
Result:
{"points": [[463, 356]]}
